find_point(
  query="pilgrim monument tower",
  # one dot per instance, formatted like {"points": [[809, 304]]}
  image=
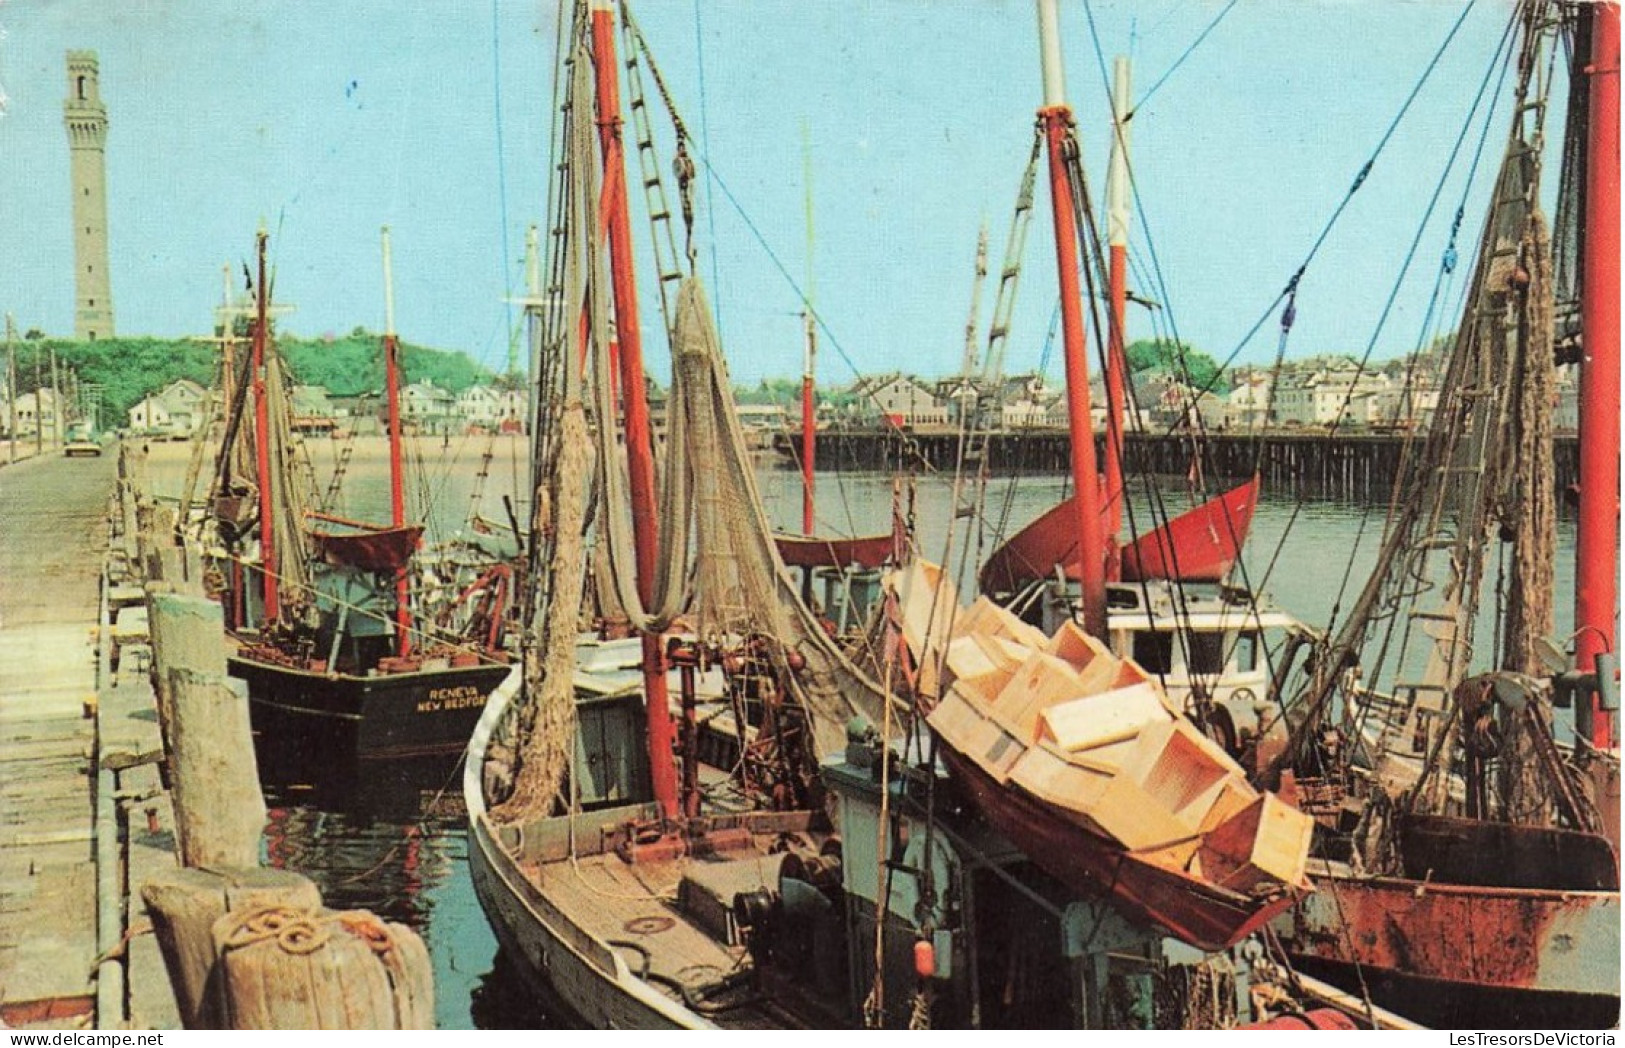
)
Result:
{"points": [[85, 117]]}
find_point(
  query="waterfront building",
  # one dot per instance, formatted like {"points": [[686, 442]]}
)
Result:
{"points": [[901, 400]]}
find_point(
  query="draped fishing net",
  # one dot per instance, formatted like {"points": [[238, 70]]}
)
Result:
{"points": [[719, 561]]}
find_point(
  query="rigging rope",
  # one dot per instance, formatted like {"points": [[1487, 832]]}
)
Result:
{"points": [[1179, 61]]}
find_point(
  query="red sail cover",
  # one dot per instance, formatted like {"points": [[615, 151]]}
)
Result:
{"points": [[814, 551], [1197, 546], [382, 550]]}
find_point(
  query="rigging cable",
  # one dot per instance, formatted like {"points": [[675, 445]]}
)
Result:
{"points": [[502, 176], [705, 157], [1178, 61], [1337, 213]]}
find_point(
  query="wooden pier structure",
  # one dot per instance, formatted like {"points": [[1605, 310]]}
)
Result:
{"points": [[130, 815], [1349, 464]]}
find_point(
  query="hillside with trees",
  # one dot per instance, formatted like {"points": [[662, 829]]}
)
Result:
{"points": [[128, 369]]}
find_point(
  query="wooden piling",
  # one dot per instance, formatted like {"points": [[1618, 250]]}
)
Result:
{"points": [[184, 905], [187, 633], [1348, 464], [219, 813]]}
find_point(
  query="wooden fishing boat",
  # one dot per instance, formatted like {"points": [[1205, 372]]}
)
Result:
{"points": [[320, 625], [835, 553], [1080, 758], [1450, 947], [1467, 865]]}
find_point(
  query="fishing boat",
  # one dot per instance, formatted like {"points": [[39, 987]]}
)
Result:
{"points": [[318, 607], [810, 858], [1467, 864]]}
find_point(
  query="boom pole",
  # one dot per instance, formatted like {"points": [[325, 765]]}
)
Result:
{"points": [[1597, 534], [1056, 117], [397, 482], [1117, 219], [262, 441], [809, 403], [639, 445]]}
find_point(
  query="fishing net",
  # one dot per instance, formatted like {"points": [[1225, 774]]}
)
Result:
{"points": [[547, 722], [741, 585]]}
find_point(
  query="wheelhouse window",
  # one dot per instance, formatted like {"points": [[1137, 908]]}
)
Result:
{"points": [[1154, 650], [1247, 651], [1205, 653]]}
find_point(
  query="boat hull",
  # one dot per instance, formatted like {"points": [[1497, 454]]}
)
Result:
{"points": [[1189, 909], [421, 713], [1446, 954], [811, 551], [557, 960], [1200, 545]]}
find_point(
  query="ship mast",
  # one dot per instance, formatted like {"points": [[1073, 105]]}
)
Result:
{"points": [[1117, 219], [1056, 117], [397, 485], [809, 418], [262, 441], [1597, 535], [639, 445]]}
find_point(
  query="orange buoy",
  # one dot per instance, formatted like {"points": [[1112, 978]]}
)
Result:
{"points": [[925, 958]]}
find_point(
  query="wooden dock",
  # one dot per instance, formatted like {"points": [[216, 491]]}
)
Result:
{"points": [[52, 522], [81, 816], [1348, 464]]}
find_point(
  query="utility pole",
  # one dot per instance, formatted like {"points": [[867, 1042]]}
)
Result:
{"points": [[11, 384], [56, 403], [39, 424]]}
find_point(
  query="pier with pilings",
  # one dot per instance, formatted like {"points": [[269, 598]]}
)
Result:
{"points": [[1346, 464]]}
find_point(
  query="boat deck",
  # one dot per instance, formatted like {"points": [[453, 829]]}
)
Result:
{"points": [[671, 922]]}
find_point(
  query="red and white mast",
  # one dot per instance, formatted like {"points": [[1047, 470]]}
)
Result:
{"points": [[809, 425], [397, 480], [809, 403], [262, 442], [639, 445], [1117, 225], [1597, 540], [1056, 116]]}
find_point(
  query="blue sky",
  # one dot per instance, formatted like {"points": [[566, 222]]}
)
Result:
{"points": [[331, 120]]}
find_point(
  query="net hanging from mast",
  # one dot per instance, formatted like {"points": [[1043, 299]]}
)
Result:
{"points": [[736, 585]]}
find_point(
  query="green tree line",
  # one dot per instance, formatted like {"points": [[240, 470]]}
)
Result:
{"points": [[128, 369]]}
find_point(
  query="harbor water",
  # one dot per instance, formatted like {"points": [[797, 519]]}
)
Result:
{"points": [[391, 838]]}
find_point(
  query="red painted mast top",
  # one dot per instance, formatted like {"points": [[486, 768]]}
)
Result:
{"points": [[1056, 116], [634, 397], [262, 441], [397, 479], [1597, 536]]}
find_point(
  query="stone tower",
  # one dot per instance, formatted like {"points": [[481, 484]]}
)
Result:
{"points": [[85, 117]]}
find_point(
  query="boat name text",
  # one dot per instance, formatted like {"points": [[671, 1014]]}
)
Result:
{"points": [[459, 698]]}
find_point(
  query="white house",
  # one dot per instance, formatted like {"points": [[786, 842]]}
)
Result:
{"points": [[175, 410], [1324, 396], [480, 405], [426, 402], [32, 415], [900, 399], [1248, 406]]}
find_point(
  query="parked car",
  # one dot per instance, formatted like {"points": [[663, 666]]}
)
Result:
{"points": [[80, 442]]}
